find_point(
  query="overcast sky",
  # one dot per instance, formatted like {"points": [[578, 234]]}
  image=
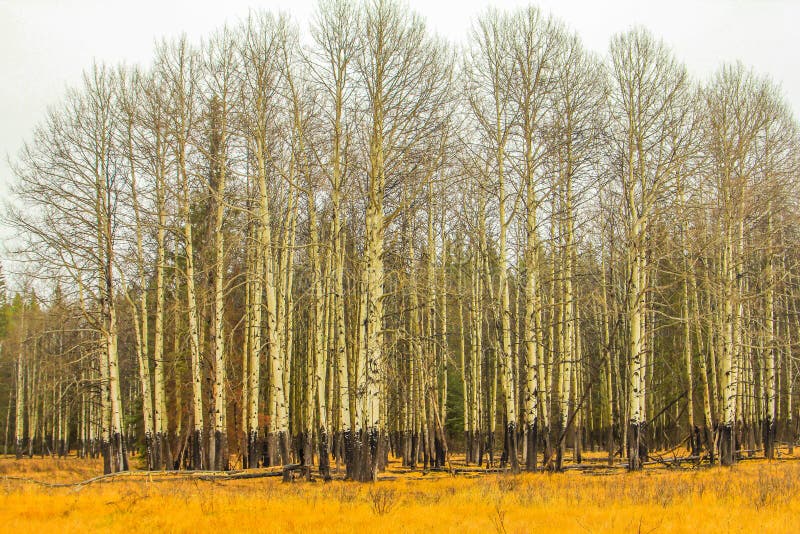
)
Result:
{"points": [[45, 44]]}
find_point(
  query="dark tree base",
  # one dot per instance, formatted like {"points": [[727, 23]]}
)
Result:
{"points": [[510, 449], [366, 452], [414, 452], [283, 447], [349, 455], [105, 447], [708, 437], [610, 445], [559, 443], [305, 448], [695, 442], [196, 459], [324, 457], [253, 450], [270, 448], [769, 432], [637, 451], [440, 454], [150, 452], [726, 445], [531, 447], [490, 447], [477, 446], [404, 446]]}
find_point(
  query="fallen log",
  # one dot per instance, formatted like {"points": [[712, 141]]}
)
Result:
{"points": [[155, 476]]}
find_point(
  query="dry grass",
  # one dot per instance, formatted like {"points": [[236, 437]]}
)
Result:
{"points": [[755, 496]]}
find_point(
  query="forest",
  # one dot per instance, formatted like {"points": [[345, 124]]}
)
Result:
{"points": [[334, 242]]}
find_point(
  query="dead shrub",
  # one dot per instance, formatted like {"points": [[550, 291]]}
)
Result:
{"points": [[508, 483], [382, 500]]}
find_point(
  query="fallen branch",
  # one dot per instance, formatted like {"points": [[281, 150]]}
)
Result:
{"points": [[155, 476]]}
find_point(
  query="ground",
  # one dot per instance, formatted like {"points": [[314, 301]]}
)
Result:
{"points": [[753, 496]]}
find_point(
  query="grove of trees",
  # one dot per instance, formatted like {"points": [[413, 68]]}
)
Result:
{"points": [[328, 245]]}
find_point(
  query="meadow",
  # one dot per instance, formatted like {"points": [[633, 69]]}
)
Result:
{"points": [[753, 496]]}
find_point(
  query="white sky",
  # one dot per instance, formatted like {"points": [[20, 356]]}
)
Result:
{"points": [[45, 44]]}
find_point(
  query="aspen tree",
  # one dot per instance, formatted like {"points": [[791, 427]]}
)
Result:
{"points": [[260, 45], [378, 21], [649, 99], [220, 66], [464, 361], [734, 116], [251, 357], [577, 106], [686, 323], [302, 178], [19, 419], [282, 359], [476, 317], [534, 46], [155, 123], [776, 165], [178, 66], [404, 81], [334, 33], [98, 108], [489, 71], [608, 354], [129, 83]]}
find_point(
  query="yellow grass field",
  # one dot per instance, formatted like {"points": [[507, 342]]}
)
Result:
{"points": [[753, 496]]}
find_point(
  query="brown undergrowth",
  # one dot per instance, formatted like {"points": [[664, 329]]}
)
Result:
{"points": [[753, 496]]}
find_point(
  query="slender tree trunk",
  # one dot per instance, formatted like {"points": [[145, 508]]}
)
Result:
{"points": [[770, 379], [19, 420], [161, 416]]}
